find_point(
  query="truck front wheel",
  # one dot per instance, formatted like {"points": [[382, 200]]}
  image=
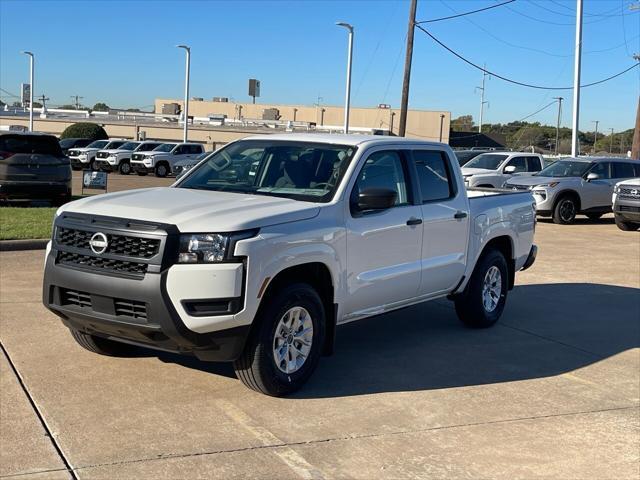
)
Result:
{"points": [[100, 345], [482, 302], [125, 167], [284, 349]]}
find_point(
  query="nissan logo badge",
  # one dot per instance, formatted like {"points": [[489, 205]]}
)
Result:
{"points": [[98, 243]]}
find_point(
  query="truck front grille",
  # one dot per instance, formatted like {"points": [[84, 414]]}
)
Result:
{"points": [[76, 298], [130, 308], [629, 192], [100, 263], [125, 245], [628, 208]]}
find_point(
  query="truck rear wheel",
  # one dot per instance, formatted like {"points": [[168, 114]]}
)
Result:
{"points": [[482, 302], [100, 345], [162, 170], [284, 348]]}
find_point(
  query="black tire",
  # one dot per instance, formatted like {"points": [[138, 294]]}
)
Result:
{"points": [[162, 170], [124, 168], [469, 305], [100, 345], [565, 210], [626, 226], [93, 165], [594, 216], [257, 367]]}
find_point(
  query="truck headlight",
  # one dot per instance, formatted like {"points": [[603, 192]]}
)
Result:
{"points": [[203, 248], [616, 189]]}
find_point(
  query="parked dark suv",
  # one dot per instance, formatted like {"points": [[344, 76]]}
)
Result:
{"points": [[33, 167], [68, 143]]}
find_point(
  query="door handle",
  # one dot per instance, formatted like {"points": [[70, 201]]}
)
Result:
{"points": [[414, 221], [459, 215]]}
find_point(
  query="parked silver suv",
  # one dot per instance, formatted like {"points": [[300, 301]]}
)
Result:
{"points": [[626, 204], [576, 186]]}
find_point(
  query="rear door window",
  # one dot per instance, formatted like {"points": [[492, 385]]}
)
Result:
{"points": [[30, 144], [533, 164], [602, 169], [434, 175], [623, 170]]}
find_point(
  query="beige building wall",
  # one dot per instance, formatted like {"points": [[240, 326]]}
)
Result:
{"points": [[421, 124]]}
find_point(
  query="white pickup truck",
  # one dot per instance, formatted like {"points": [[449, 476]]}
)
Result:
{"points": [[161, 160], [258, 253]]}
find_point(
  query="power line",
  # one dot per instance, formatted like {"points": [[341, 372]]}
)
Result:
{"points": [[537, 111], [466, 13], [515, 82]]}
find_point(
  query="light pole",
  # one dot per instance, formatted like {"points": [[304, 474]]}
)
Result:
{"points": [[186, 91], [575, 141], [347, 99], [31, 62], [611, 143], [595, 137], [558, 123]]}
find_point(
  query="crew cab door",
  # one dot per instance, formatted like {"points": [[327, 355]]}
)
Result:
{"points": [[383, 246], [446, 221]]}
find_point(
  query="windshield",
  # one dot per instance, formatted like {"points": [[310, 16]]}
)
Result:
{"points": [[565, 168], [165, 147], [114, 144], [146, 147], [490, 161], [129, 146], [300, 170], [464, 156], [98, 144]]}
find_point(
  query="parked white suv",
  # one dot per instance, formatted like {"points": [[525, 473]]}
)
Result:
{"points": [[120, 158], [260, 251], [161, 160], [626, 203], [576, 186], [492, 169]]}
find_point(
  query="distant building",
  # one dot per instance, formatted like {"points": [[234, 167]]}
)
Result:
{"points": [[423, 124]]}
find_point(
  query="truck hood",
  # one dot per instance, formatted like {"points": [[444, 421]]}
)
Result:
{"points": [[467, 172], [196, 210], [534, 180]]}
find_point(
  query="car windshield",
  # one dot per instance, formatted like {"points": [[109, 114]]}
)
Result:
{"points": [[490, 161], [114, 144], [165, 147], [146, 147], [565, 168], [129, 146], [98, 144], [68, 142], [465, 156], [299, 170]]}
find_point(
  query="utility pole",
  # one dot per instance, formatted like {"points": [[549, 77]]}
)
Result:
{"points": [[43, 100], [482, 102], [595, 137], [185, 110], [575, 140], [611, 143], [31, 68], [558, 123], [76, 101], [635, 147], [347, 97], [404, 104]]}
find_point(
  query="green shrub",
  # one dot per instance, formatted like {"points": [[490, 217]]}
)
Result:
{"points": [[85, 130]]}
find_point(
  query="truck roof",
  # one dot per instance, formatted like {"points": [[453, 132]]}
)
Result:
{"points": [[341, 139]]}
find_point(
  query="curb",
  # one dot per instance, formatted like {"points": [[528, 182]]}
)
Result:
{"points": [[17, 245]]}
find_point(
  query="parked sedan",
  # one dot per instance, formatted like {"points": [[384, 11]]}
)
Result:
{"points": [[626, 204], [33, 167]]}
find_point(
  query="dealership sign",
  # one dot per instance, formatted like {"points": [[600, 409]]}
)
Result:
{"points": [[94, 180]]}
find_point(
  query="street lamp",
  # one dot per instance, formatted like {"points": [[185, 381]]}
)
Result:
{"points": [[186, 91], [31, 61], [347, 99]]}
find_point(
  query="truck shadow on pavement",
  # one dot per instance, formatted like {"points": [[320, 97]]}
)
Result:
{"points": [[546, 330]]}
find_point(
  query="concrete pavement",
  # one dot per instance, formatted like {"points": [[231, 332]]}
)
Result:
{"points": [[553, 390]]}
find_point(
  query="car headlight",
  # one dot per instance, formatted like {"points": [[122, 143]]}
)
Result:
{"points": [[549, 185], [203, 248]]}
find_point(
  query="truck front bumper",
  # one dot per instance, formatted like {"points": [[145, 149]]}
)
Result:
{"points": [[152, 311], [105, 166], [139, 167], [18, 190]]}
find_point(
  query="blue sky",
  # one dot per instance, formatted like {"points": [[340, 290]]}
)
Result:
{"points": [[123, 53]]}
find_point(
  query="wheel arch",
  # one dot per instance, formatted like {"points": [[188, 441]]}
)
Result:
{"points": [[568, 192], [317, 275]]}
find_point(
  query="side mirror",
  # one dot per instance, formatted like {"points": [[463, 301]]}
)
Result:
{"points": [[510, 169], [592, 176], [375, 199]]}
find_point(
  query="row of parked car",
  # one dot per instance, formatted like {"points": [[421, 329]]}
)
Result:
{"points": [[125, 157], [565, 188]]}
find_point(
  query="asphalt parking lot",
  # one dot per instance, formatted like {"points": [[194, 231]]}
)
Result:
{"points": [[552, 391], [117, 182]]}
